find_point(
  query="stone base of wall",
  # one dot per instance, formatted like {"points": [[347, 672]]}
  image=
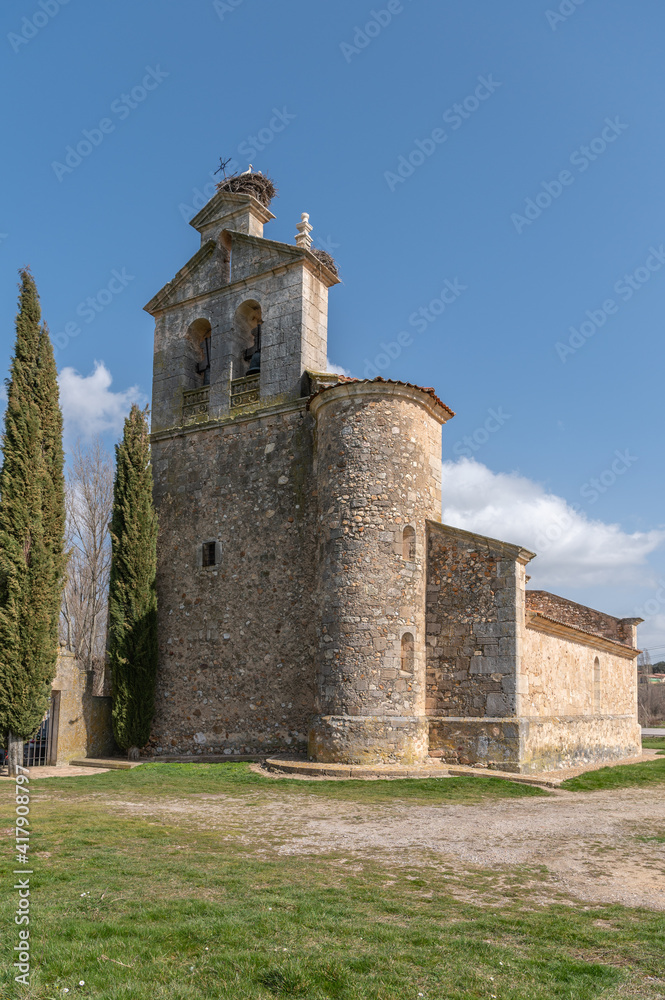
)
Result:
{"points": [[493, 743], [365, 739], [530, 746], [565, 741]]}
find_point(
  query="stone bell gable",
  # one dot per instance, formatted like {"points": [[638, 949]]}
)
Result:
{"points": [[208, 315]]}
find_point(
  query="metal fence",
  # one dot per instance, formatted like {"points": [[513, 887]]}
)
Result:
{"points": [[35, 750]]}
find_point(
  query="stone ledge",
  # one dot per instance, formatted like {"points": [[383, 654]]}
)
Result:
{"points": [[520, 779], [110, 764], [314, 769]]}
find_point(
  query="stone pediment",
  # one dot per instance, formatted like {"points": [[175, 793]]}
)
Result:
{"points": [[253, 255], [225, 204], [202, 273]]}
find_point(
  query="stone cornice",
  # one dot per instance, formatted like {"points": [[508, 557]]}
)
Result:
{"points": [[541, 623], [181, 430], [345, 390], [505, 549]]}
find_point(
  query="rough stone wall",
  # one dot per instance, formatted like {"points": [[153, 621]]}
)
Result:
{"points": [[558, 742], [83, 720], [532, 745], [560, 678], [492, 743], [579, 616], [475, 614], [374, 477], [237, 640]]}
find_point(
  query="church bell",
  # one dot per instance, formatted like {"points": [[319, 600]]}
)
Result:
{"points": [[255, 363]]}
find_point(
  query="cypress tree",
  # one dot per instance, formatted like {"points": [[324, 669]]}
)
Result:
{"points": [[31, 527], [53, 497], [132, 595]]}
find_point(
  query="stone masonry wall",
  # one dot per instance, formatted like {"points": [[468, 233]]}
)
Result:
{"points": [[378, 471], [579, 616], [474, 623], [560, 678], [84, 727], [237, 640]]}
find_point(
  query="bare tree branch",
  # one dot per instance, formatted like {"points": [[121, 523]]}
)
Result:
{"points": [[89, 499]]}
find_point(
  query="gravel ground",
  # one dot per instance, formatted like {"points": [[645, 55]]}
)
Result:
{"points": [[588, 845]]}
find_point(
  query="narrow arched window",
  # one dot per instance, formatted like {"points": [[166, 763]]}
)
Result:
{"points": [[407, 652], [596, 685], [409, 543]]}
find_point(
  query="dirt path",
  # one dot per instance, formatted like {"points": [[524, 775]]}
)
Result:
{"points": [[590, 843]]}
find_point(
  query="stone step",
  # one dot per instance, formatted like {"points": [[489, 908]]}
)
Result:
{"points": [[314, 769], [111, 763]]}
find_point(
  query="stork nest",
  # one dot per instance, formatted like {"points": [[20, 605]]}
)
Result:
{"points": [[325, 259], [261, 187]]}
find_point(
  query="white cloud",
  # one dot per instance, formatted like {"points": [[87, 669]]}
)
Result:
{"points": [[337, 369], [651, 634], [89, 406], [572, 549]]}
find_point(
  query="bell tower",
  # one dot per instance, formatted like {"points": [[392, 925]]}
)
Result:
{"points": [[244, 319], [240, 345]]}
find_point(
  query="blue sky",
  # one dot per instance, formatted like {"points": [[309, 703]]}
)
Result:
{"points": [[538, 199]]}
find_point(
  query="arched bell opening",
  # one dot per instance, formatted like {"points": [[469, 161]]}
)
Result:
{"points": [[199, 340], [247, 324]]}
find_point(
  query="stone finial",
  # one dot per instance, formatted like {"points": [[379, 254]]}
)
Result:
{"points": [[303, 239]]}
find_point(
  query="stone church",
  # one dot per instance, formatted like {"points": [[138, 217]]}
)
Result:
{"points": [[310, 599]]}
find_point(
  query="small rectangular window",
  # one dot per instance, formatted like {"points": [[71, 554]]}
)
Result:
{"points": [[208, 554]]}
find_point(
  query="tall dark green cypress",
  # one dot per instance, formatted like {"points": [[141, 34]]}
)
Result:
{"points": [[32, 520], [132, 594], [53, 497]]}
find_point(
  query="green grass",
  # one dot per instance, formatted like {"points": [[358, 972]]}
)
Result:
{"points": [[185, 780], [144, 910], [650, 772], [653, 742]]}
